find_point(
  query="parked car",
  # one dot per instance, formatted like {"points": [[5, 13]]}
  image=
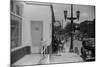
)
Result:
{"points": [[88, 49]]}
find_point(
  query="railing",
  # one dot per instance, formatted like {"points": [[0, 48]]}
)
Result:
{"points": [[45, 53], [44, 48]]}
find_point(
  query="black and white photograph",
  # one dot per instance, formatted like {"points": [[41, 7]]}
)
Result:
{"points": [[43, 33]]}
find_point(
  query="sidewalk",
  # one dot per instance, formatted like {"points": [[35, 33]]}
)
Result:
{"points": [[68, 57], [65, 58], [31, 59], [76, 43]]}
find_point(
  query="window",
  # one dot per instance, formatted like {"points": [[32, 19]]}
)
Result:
{"points": [[11, 5], [17, 10], [15, 33]]}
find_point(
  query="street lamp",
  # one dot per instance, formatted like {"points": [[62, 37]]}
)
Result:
{"points": [[71, 19], [78, 14], [65, 14]]}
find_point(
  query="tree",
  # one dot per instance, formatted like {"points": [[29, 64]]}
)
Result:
{"points": [[67, 28]]}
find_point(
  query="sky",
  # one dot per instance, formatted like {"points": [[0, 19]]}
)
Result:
{"points": [[87, 12]]}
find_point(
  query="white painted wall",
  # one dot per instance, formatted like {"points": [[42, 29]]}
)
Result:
{"points": [[36, 13]]}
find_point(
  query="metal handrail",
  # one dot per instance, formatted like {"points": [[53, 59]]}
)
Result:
{"points": [[44, 47]]}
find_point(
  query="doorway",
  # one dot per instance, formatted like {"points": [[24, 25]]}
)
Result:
{"points": [[37, 36]]}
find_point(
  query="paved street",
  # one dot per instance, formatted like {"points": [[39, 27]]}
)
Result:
{"points": [[65, 58]]}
